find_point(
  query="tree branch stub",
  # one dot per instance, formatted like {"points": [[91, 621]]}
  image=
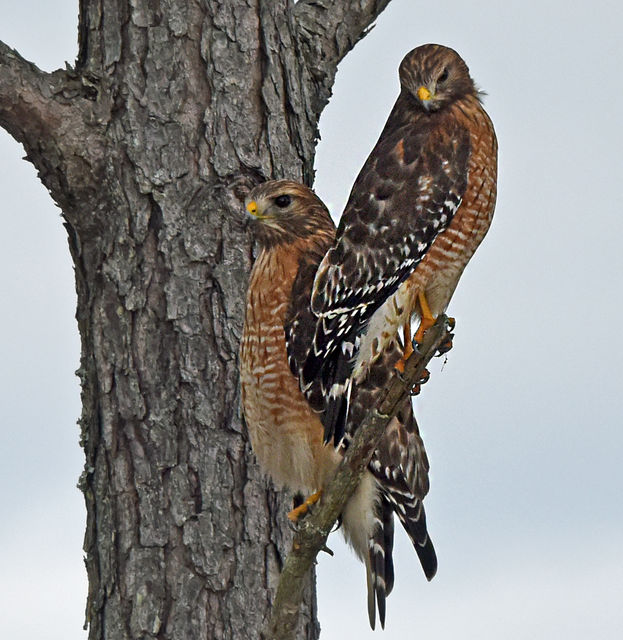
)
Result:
{"points": [[54, 117], [26, 110]]}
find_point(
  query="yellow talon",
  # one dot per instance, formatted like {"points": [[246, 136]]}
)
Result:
{"points": [[296, 514]]}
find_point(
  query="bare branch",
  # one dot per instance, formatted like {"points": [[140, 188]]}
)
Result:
{"points": [[315, 528], [331, 29], [55, 116], [26, 110]]}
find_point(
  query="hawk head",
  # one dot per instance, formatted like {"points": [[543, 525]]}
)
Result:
{"points": [[435, 76], [283, 211]]}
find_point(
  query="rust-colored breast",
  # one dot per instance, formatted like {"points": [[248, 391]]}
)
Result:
{"points": [[438, 273], [286, 435]]}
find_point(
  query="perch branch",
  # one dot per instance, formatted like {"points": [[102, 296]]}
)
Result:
{"points": [[312, 534]]}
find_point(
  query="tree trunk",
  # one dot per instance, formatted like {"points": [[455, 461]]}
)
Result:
{"points": [[173, 112]]}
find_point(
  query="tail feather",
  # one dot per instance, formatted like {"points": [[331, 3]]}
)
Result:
{"points": [[380, 564], [413, 518], [370, 578], [388, 535]]}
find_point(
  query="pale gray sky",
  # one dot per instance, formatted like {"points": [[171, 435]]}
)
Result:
{"points": [[523, 425]]}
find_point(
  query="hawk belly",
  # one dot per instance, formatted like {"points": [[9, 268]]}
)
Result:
{"points": [[286, 434]]}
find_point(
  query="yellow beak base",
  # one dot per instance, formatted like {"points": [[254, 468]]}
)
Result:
{"points": [[423, 94]]}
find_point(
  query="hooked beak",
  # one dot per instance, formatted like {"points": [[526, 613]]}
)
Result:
{"points": [[425, 96], [256, 213]]}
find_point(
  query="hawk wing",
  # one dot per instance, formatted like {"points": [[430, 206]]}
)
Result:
{"points": [[406, 194]]}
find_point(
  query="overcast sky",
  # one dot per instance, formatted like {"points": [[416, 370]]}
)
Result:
{"points": [[524, 424]]}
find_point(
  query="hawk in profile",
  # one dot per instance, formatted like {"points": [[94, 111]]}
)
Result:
{"points": [[294, 231], [418, 210]]}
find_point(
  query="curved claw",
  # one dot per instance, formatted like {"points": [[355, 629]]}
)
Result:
{"points": [[297, 513], [445, 347], [416, 388]]}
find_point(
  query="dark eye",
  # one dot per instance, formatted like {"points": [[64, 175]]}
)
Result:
{"points": [[444, 76], [283, 201]]}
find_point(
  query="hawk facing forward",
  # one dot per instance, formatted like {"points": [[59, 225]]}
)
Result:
{"points": [[418, 210], [294, 231]]}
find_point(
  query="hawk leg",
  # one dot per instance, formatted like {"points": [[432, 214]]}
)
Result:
{"points": [[296, 514], [428, 319]]}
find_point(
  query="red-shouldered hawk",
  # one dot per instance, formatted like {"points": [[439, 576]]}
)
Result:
{"points": [[418, 210], [294, 231]]}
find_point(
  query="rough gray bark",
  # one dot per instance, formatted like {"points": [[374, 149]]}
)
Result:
{"points": [[173, 111]]}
